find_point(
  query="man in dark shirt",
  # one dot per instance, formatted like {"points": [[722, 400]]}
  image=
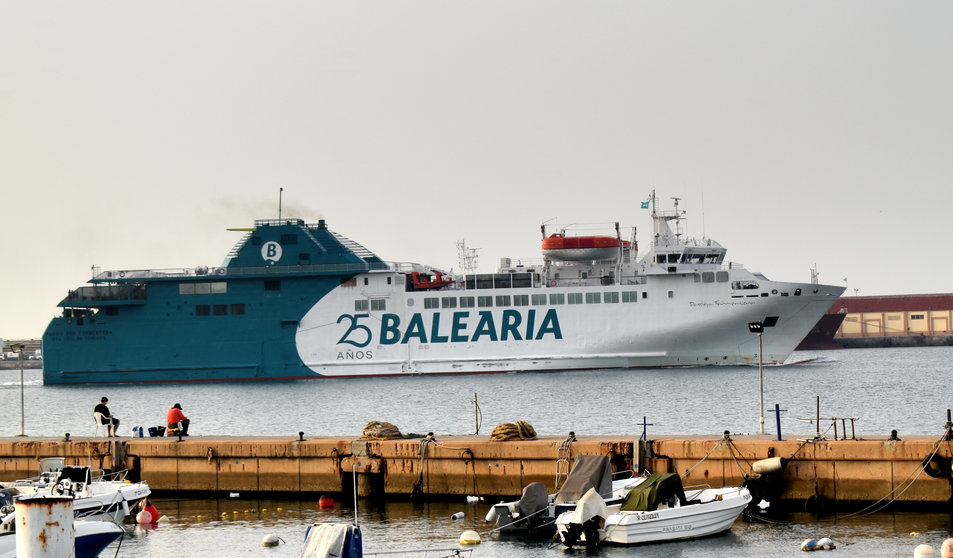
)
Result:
{"points": [[110, 421]]}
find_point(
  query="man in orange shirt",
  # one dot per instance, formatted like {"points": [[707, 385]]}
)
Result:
{"points": [[174, 418]]}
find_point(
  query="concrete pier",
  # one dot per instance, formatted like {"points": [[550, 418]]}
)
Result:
{"points": [[847, 473]]}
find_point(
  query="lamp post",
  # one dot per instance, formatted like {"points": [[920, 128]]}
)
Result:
{"points": [[758, 328], [18, 348]]}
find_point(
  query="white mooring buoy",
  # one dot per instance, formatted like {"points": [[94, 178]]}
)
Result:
{"points": [[470, 537]]}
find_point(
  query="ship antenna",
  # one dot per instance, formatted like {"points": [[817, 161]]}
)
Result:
{"points": [[280, 190], [678, 220]]}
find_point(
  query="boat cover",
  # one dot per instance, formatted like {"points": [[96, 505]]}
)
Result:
{"points": [[535, 499], [656, 488], [588, 471], [589, 506], [338, 540]]}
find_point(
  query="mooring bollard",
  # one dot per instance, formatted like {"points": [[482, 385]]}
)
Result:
{"points": [[44, 527]]}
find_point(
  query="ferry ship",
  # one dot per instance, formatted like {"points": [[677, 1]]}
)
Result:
{"points": [[295, 300]]}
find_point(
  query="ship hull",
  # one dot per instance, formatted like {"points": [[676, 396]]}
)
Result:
{"points": [[322, 335]]}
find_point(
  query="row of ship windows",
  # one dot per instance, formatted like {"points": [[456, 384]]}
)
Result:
{"points": [[219, 309], [502, 301]]}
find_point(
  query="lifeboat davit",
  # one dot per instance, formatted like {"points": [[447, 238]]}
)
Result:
{"points": [[582, 248], [424, 282]]}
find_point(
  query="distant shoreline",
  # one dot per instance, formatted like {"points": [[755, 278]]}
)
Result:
{"points": [[14, 364]]}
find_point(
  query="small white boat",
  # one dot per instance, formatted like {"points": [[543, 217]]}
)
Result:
{"points": [[100, 497], [656, 510]]}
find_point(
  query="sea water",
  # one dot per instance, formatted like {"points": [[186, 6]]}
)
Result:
{"points": [[903, 389]]}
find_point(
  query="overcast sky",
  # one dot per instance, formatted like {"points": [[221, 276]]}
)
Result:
{"points": [[132, 134]]}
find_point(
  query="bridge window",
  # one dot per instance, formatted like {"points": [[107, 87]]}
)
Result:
{"points": [[708, 277], [721, 276]]}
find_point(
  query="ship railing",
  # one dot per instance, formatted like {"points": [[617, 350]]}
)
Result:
{"points": [[107, 292], [277, 222], [132, 274]]}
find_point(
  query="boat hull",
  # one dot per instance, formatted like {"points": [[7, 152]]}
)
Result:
{"points": [[685, 522]]}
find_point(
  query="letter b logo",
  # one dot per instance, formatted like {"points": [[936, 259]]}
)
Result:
{"points": [[271, 251]]}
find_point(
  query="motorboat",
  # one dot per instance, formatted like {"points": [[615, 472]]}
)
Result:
{"points": [[534, 514], [657, 509], [109, 496]]}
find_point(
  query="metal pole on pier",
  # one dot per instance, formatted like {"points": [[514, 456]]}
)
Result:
{"points": [[758, 328], [18, 348]]}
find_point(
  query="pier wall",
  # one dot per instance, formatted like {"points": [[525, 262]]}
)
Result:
{"points": [[846, 472]]}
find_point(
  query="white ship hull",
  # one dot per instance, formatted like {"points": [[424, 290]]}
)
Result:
{"points": [[674, 321]]}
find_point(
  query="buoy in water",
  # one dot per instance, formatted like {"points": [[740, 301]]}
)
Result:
{"points": [[326, 502], [470, 537], [270, 540], [144, 518], [458, 515], [823, 544], [923, 551]]}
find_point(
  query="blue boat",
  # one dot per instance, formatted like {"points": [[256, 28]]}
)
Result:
{"points": [[295, 300]]}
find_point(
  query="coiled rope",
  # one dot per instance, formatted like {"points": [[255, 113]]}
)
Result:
{"points": [[521, 430]]}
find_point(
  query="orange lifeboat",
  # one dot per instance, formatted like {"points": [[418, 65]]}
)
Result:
{"points": [[582, 248], [423, 282]]}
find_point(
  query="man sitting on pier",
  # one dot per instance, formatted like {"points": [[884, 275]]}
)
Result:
{"points": [[177, 422], [109, 421]]}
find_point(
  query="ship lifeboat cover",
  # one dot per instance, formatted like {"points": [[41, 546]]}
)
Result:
{"points": [[582, 248]]}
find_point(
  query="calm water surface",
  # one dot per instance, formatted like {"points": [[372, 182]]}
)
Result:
{"points": [[903, 389]]}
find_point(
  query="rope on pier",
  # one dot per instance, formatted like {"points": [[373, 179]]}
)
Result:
{"points": [[379, 430], [521, 430]]}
